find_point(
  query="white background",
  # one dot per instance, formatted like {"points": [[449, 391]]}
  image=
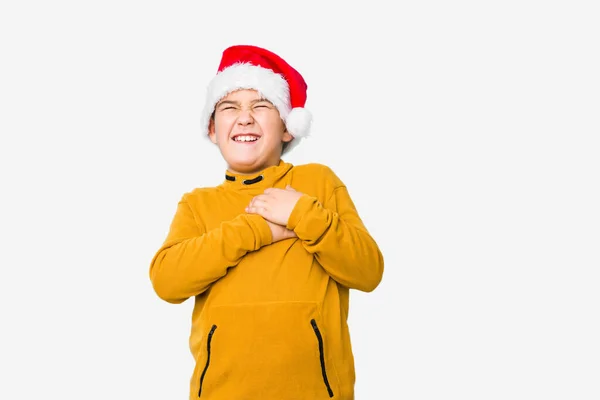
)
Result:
{"points": [[466, 132]]}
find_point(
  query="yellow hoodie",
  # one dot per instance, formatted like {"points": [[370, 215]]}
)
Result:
{"points": [[269, 319]]}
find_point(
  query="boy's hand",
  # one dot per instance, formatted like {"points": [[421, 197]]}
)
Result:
{"points": [[275, 205], [279, 232]]}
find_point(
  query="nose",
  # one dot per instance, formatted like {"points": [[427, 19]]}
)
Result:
{"points": [[245, 117]]}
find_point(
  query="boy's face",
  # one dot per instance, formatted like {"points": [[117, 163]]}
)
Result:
{"points": [[248, 131]]}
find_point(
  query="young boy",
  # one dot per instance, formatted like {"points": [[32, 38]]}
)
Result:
{"points": [[270, 254]]}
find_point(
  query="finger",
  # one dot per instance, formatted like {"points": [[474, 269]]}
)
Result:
{"points": [[289, 187], [253, 201], [262, 197], [260, 203], [257, 210], [272, 191], [252, 210]]}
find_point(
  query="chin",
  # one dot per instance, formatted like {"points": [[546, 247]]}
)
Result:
{"points": [[247, 162], [243, 164]]}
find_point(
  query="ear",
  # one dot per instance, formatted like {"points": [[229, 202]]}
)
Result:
{"points": [[287, 137], [211, 131]]}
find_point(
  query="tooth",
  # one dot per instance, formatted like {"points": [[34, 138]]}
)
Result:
{"points": [[246, 138]]}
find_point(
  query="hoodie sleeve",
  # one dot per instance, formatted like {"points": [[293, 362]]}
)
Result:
{"points": [[337, 237], [191, 259]]}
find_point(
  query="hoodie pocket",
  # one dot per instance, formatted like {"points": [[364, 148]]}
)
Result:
{"points": [[272, 350]]}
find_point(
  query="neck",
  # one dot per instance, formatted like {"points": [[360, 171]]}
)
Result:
{"points": [[251, 171]]}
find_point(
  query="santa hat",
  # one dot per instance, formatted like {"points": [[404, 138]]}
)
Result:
{"points": [[251, 67]]}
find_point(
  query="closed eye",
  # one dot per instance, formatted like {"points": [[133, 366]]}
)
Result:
{"points": [[264, 104]]}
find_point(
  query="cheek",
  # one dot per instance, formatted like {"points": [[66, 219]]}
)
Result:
{"points": [[223, 127], [272, 127]]}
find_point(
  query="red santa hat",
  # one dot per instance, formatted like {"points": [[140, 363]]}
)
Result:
{"points": [[251, 67]]}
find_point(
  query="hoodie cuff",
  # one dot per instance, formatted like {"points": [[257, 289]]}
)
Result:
{"points": [[261, 230], [309, 220]]}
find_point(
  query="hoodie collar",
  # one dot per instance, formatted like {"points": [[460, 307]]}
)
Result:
{"points": [[258, 181]]}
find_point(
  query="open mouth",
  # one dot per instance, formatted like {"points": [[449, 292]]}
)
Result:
{"points": [[245, 138]]}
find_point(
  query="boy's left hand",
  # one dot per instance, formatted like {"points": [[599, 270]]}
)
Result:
{"points": [[275, 205]]}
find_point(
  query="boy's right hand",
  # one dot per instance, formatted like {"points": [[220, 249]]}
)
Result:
{"points": [[280, 232]]}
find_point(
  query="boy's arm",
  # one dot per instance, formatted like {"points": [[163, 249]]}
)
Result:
{"points": [[338, 239], [191, 259]]}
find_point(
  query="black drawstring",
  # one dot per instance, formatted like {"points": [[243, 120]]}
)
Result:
{"points": [[245, 181]]}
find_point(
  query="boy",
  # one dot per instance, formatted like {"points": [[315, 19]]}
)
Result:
{"points": [[269, 254]]}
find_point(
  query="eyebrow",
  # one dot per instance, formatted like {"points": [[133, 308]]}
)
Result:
{"points": [[259, 100], [227, 102]]}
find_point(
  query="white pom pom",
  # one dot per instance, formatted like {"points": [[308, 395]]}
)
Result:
{"points": [[298, 122]]}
